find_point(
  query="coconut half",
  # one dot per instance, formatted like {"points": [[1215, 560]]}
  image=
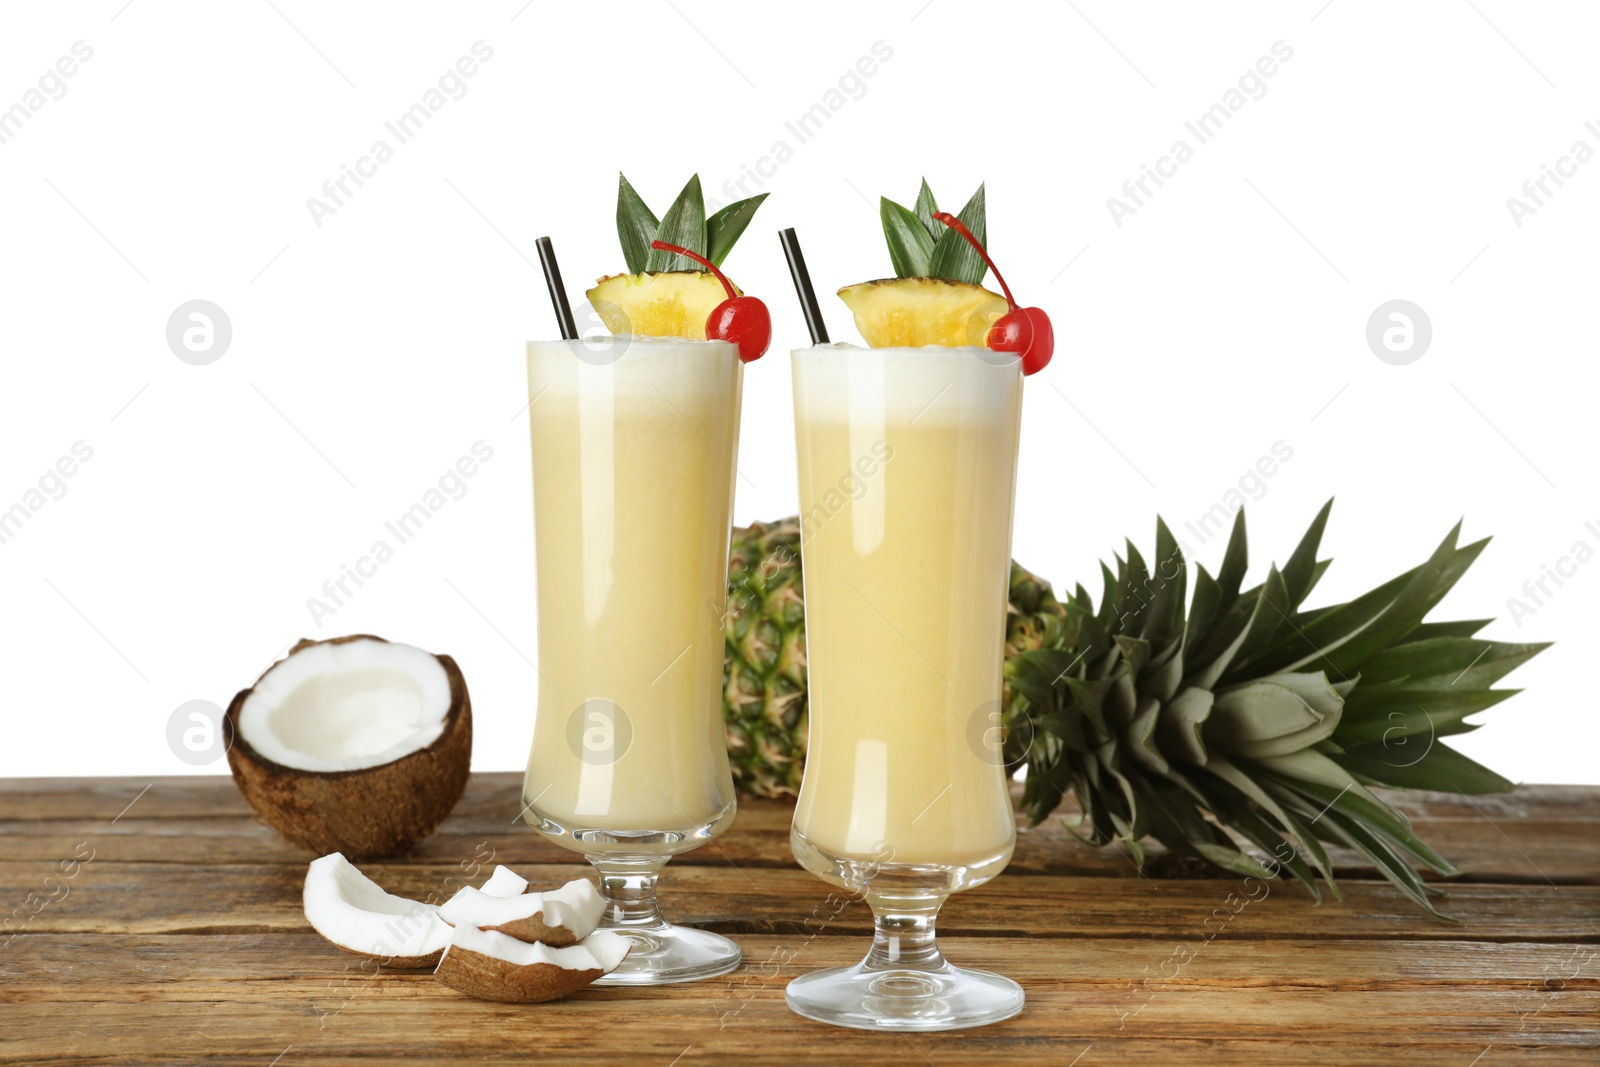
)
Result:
{"points": [[495, 966], [557, 917], [361, 917], [353, 745]]}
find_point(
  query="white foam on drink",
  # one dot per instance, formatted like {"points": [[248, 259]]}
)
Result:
{"points": [[672, 365], [922, 385]]}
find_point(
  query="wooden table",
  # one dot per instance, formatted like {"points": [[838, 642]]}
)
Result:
{"points": [[157, 922]]}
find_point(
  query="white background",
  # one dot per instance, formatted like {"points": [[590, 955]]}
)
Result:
{"points": [[1228, 313]]}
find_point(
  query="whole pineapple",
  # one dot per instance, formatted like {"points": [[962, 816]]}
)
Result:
{"points": [[1248, 721], [764, 672], [1034, 618]]}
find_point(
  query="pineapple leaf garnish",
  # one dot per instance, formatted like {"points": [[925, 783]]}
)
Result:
{"points": [[1255, 723], [922, 247], [953, 258], [726, 226], [926, 206], [636, 226], [910, 243], [685, 225]]}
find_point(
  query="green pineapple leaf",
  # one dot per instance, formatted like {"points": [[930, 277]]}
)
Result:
{"points": [[1372, 716], [1448, 661], [683, 225], [1439, 768], [925, 208], [1395, 868], [1164, 621], [725, 227], [636, 226], [1202, 609], [954, 259], [1301, 573], [1457, 628], [910, 243]]}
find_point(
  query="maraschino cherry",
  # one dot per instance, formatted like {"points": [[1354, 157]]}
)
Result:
{"points": [[1026, 331], [741, 320]]}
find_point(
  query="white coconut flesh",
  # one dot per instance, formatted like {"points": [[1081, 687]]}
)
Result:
{"points": [[347, 706], [601, 951], [355, 913], [504, 882], [575, 907]]}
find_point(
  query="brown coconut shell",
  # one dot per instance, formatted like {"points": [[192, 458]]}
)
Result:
{"points": [[373, 813], [533, 929], [490, 978], [396, 963]]}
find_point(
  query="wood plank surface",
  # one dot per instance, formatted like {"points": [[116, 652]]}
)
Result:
{"points": [[145, 898], [178, 938], [204, 820]]}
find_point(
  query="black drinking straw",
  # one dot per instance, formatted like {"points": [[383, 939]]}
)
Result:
{"points": [[802, 286], [558, 292]]}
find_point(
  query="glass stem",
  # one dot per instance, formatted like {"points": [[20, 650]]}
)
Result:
{"points": [[629, 886], [903, 934]]}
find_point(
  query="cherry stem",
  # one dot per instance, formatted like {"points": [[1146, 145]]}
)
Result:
{"points": [[961, 228], [712, 267]]}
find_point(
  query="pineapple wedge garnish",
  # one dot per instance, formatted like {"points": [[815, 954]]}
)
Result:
{"points": [[657, 303], [914, 312]]}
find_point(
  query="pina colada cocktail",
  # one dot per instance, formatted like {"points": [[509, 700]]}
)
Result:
{"points": [[908, 457], [635, 439], [633, 492], [905, 604]]}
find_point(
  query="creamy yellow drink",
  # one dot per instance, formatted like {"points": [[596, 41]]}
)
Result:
{"points": [[633, 471], [907, 462]]}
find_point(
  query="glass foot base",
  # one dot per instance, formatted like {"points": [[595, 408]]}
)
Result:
{"points": [[664, 953], [892, 998]]}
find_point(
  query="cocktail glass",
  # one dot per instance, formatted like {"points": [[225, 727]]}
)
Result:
{"points": [[907, 464], [634, 445]]}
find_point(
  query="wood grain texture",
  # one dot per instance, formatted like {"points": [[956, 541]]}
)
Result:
{"points": [[158, 922], [204, 820]]}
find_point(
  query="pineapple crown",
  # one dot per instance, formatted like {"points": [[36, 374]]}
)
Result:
{"points": [[685, 225], [1256, 715], [920, 246]]}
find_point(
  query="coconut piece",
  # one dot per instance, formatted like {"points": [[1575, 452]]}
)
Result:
{"points": [[359, 916], [353, 745], [504, 882], [557, 917], [493, 966]]}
